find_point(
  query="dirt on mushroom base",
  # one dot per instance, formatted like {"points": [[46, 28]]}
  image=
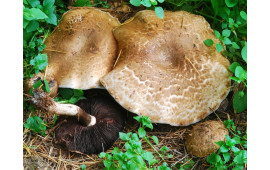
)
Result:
{"points": [[41, 152]]}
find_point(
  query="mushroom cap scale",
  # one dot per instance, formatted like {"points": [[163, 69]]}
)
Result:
{"points": [[165, 71], [82, 48]]}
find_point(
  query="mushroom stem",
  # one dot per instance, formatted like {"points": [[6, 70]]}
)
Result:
{"points": [[43, 101]]}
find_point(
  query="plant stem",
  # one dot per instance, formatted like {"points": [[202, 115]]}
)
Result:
{"points": [[146, 139]]}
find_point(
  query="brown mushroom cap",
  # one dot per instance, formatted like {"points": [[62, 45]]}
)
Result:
{"points": [[82, 48], [165, 71], [201, 140]]}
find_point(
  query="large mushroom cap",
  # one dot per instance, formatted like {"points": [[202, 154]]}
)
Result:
{"points": [[165, 71], [201, 140], [82, 48]]}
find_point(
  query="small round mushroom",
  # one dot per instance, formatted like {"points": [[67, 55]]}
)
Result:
{"points": [[201, 140], [164, 69], [94, 139]]}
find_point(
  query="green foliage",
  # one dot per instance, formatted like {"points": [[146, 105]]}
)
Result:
{"points": [[232, 153], [233, 42], [135, 157], [150, 4], [186, 165], [39, 18], [96, 3], [83, 167], [35, 124], [67, 95]]}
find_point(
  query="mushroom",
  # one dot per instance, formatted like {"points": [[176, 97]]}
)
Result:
{"points": [[92, 139], [165, 71], [201, 140], [81, 50]]}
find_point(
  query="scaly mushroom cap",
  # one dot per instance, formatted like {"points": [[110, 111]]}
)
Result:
{"points": [[201, 140], [82, 48], [165, 71]]}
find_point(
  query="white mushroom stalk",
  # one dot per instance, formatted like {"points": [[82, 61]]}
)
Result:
{"points": [[43, 101]]}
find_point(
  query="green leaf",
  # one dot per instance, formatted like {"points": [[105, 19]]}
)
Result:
{"points": [[161, 1], [66, 93], [146, 122], [226, 157], [219, 47], [226, 33], [48, 3], [244, 53], [240, 73], [240, 101], [80, 3], [40, 61], [155, 139], [37, 84], [241, 158], [208, 42], [124, 136], [107, 163], [135, 137], [233, 66], [243, 14], [138, 118], [223, 149], [83, 167], [238, 167], [32, 26], [159, 12], [217, 34], [150, 158], [33, 14], [170, 156], [141, 132], [52, 19], [230, 142], [227, 41], [102, 155], [213, 158], [35, 124], [128, 146], [235, 149], [220, 143], [77, 92], [224, 25], [135, 2], [235, 45], [231, 3], [33, 3], [153, 2], [146, 3], [47, 87]]}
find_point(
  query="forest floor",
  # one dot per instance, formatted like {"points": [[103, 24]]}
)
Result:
{"points": [[41, 152]]}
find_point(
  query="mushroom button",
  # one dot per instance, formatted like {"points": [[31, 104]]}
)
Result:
{"points": [[164, 70], [201, 140]]}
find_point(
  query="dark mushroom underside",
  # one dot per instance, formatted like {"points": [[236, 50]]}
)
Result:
{"points": [[110, 119]]}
